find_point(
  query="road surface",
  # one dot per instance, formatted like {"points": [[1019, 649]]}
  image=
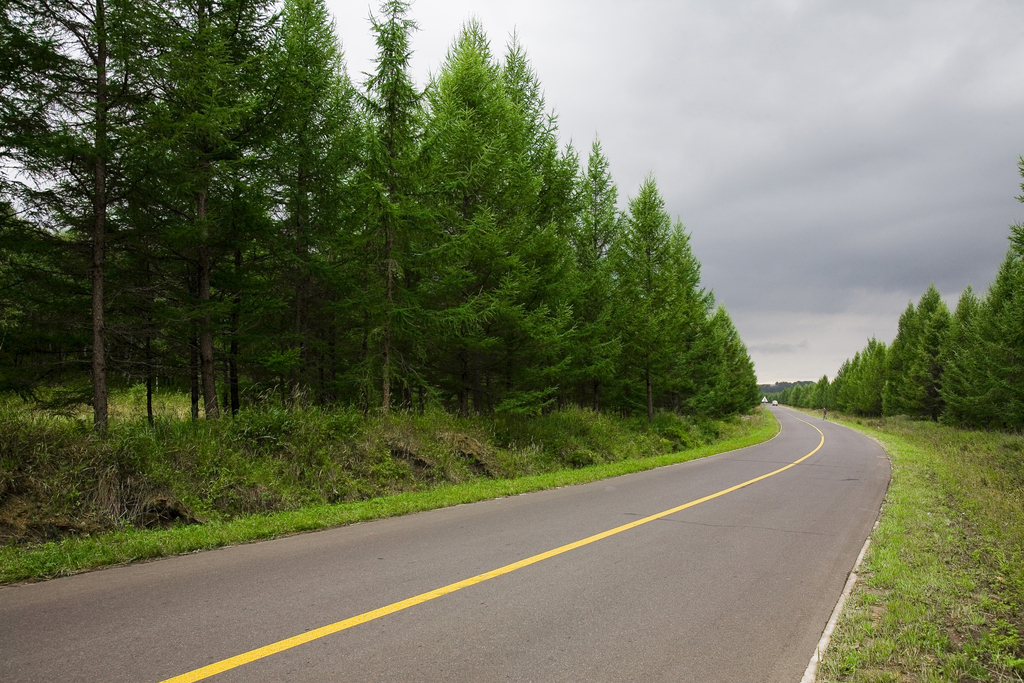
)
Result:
{"points": [[668, 575]]}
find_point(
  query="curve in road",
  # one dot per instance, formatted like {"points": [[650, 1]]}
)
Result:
{"points": [[294, 641], [733, 587]]}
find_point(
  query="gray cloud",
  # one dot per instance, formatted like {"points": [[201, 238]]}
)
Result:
{"points": [[775, 348], [829, 158]]}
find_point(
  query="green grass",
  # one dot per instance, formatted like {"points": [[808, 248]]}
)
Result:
{"points": [[941, 592], [312, 469]]}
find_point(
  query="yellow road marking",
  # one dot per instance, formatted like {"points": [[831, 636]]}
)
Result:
{"points": [[288, 643]]}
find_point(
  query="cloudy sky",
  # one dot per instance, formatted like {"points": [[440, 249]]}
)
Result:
{"points": [[829, 159]]}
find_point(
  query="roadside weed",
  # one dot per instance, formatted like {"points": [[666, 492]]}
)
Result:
{"points": [[941, 588], [70, 501]]}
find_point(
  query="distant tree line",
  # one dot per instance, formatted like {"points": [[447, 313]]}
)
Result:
{"points": [[779, 387], [195, 194], [964, 368]]}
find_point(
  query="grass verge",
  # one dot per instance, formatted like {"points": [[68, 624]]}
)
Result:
{"points": [[129, 544], [941, 589]]}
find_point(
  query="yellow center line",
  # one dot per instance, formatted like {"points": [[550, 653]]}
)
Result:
{"points": [[288, 643]]}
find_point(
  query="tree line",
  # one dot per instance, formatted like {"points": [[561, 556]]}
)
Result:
{"points": [[964, 368], [197, 196]]}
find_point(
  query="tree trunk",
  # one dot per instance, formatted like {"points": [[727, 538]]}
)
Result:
{"points": [[389, 305], [236, 403], [299, 321], [193, 370], [149, 380], [597, 396], [99, 211], [206, 364], [386, 370], [489, 394], [225, 400], [233, 352], [464, 388], [650, 396], [477, 393], [367, 386], [332, 361]]}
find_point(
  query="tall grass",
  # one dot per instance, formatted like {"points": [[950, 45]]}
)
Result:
{"points": [[941, 596], [65, 493]]}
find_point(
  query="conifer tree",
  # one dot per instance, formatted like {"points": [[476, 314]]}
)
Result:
{"points": [[820, 397], [244, 217], [840, 385], [963, 371], [1001, 330], [206, 125], [730, 384], [923, 381], [496, 268], [555, 202], [869, 379], [651, 286], [699, 324], [898, 361], [394, 108], [314, 158], [75, 75], [596, 347]]}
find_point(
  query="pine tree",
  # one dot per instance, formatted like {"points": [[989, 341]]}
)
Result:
{"points": [[898, 361], [498, 270], [314, 155], [596, 347], [921, 390], [730, 384], [870, 379], [700, 323], [963, 371], [394, 107], [43, 311], [207, 127], [820, 398], [648, 290], [840, 386], [76, 78], [245, 217], [1001, 330]]}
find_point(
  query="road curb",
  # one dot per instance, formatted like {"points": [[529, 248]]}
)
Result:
{"points": [[811, 673]]}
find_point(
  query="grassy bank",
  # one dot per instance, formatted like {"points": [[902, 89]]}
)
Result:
{"points": [[70, 501], [941, 591]]}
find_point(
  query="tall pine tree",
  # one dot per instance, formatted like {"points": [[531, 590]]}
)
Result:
{"points": [[394, 108]]}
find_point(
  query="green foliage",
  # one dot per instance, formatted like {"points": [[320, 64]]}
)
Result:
{"points": [[394, 219], [1000, 353], [859, 384], [962, 376], [922, 385], [678, 350], [315, 156], [897, 362], [649, 310], [595, 346], [266, 229], [498, 263]]}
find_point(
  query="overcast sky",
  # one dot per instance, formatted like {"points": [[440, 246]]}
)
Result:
{"points": [[829, 159]]}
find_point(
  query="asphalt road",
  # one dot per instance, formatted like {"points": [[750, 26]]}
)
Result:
{"points": [[735, 588]]}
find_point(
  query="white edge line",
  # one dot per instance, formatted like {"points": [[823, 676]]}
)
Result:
{"points": [[811, 673]]}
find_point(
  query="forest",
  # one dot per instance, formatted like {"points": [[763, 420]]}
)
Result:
{"points": [[197, 197], [964, 368]]}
